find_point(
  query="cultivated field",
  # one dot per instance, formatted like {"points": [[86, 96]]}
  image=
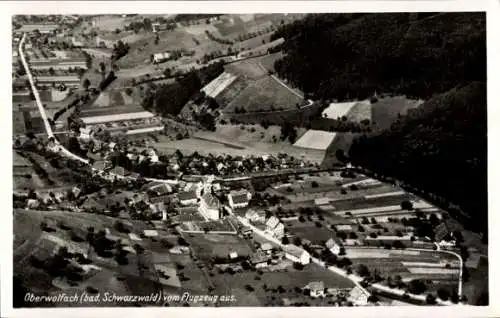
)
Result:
{"points": [[215, 87], [208, 246], [315, 139], [263, 95], [353, 111]]}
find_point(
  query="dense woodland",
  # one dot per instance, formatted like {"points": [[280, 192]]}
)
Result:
{"points": [[439, 147], [345, 56]]}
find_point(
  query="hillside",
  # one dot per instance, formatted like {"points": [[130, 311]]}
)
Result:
{"points": [[346, 56], [439, 147]]}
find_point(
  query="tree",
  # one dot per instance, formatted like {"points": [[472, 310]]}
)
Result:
{"points": [[102, 67], [443, 294], [417, 287], [406, 205], [314, 184], [285, 240], [430, 299], [363, 270], [86, 84]]}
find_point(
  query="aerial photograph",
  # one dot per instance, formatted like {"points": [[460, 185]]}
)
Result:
{"points": [[250, 160]]}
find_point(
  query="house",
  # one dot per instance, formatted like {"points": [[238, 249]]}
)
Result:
{"points": [[358, 296], [150, 233], [188, 198], [259, 260], [216, 187], [322, 201], [119, 171], [233, 255], [32, 204], [255, 216], [445, 229], [279, 231], [239, 199], [296, 254], [333, 246], [134, 237], [210, 206], [160, 189], [316, 289], [246, 231], [271, 223], [86, 133], [161, 57], [266, 247]]}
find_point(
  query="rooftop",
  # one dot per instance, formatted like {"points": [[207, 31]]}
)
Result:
{"points": [[187, 195], [117, 117], [294, 250]]}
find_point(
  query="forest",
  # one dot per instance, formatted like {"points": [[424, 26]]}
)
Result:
{"points": [[349, 56], [439, 147]]}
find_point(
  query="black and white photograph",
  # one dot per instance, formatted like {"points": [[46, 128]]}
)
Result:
{"points": [[249, 160]]}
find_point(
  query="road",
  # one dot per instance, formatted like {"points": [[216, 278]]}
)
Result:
{"points": [[57, 147]]}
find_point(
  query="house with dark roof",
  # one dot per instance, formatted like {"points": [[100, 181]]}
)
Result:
{"points": [[445, 229], [239, 199], [188, 198]]}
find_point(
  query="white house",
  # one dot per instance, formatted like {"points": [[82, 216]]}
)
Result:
{"points": [[296, 254], [86, 133], [279, 230], [210, 206], [333, 246], [161, 57], [255, 216], [271, 223], [239, 199], [266, 247], [150, 233], [316, 289], [358, 296], [233, 255], [188, 198]]}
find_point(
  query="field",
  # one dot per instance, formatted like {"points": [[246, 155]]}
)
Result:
{"points": [[353, 111], [113, 98], [109, 23], [263, 95], [315, 139], [219, 84], [385, 111], [309, 231], [438, 269], [289, 279], [208, 246]]}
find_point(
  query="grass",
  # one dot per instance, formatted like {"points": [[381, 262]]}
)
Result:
{"points": [[289, 280], [265, 94], [309, 231], [207, 246], [385, 111], [362, 203]]}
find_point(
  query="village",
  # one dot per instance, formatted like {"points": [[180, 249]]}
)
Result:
{"points": [[111, 193]]}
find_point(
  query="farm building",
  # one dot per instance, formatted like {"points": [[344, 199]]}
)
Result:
{"points": [[86, 133], [117, 117], [210, 206], [67, 80], [271, 223], [266, 247], [296, 254], [239, 199]]}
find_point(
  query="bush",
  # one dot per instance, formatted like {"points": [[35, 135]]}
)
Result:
{"points": [[443, 294], [314, 184], [430, 299]]}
